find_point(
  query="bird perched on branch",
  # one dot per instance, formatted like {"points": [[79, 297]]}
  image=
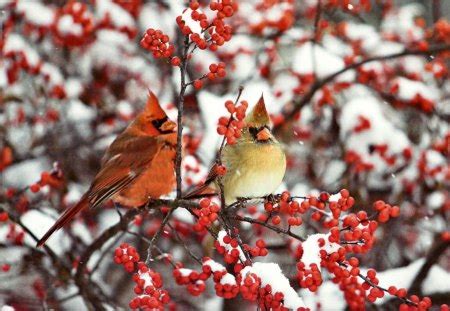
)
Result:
{"points": [[255, 164], [138, 165]]}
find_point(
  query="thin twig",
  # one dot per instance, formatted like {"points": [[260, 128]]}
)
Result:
{"points": [[180, 240], [157, 235], [268, 226]]}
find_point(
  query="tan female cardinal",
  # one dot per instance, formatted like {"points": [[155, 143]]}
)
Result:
{"points": [[255, 164], [138, 165]]}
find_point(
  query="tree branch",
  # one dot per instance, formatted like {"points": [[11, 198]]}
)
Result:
{"points": [[288, 115], [438, 248]]}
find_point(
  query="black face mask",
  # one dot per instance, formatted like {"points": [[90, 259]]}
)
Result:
{"points": [[159, 122], [254, 132]]}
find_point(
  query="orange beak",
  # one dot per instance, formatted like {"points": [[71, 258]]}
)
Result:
{"points": [[168, 126], [263, 135]]}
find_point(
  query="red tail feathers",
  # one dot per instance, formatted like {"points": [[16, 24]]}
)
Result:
{"points": [[65, 218]]}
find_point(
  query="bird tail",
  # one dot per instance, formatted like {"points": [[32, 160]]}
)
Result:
{"points": [[65, 218], [204, 190]]}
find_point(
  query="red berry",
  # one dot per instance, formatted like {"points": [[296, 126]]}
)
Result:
{"points": [[175, 61], [276, 220], [35, 188], [198, 84]]}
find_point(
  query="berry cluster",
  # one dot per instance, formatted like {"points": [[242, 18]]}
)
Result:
{"points": [[229, 248], [232, 127], [195, 281], [441, 31], [74, 24], [250, 285], [251, 289], [148, 287], [418, 101], [206, 215], [127, 256], [267, 21], [227, 287], [259, 250], [309, 278], [15, 234], [54, 179], [357, 162], [438, 68], [385, 211], [18, 61], [215, 71], [218, 32], [131, 6], [225, 283], [157, 42], [294, 209]]}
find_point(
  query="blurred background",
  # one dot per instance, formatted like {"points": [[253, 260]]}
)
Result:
{"points": [[358, 92]]}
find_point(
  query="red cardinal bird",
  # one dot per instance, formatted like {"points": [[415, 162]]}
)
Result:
{"points": [[138, 165]]}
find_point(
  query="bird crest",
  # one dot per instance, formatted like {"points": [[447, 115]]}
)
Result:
{"points": [[153, 107], [258, 116]]}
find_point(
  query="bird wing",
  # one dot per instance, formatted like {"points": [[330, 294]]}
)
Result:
{"points": [[126, 158], [204, 188]]}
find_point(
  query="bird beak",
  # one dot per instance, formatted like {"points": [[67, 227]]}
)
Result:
{"points": [[263, 135], [168, 126]]}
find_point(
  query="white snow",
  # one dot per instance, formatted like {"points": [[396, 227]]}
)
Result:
{"points": [[79, 112], [67, 26], [119, 16], [193, 25], [381, 131], [311, 249], [183, 215], [387, 48], [3, 77], [327, 297], [228, 279], [53, 73], [39, 223], [73, 87], [25, 173], [16, 43], [336, 45], [152, 15], [36, 13], [74, 193], [434, 159], [401, 22], [271, 274], [365, 33], [408, 89], [436, 199], [310, 58], [214, 265]]}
